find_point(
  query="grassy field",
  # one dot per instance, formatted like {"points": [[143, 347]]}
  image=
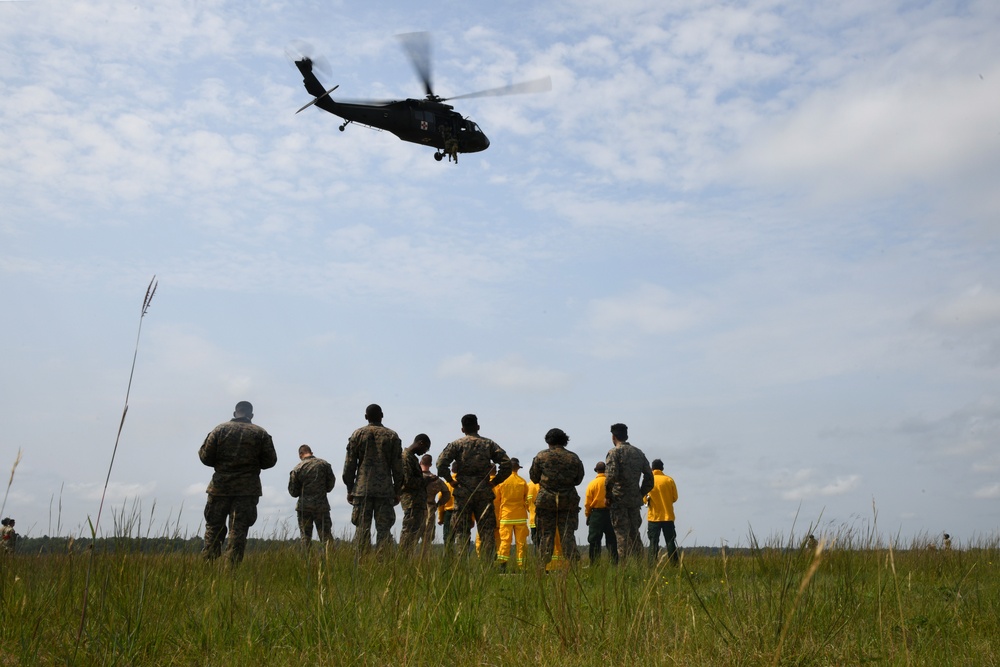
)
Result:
{"points": [[776, 604]]}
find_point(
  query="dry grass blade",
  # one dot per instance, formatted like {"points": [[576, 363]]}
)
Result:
{"points": [[147, 299], [10, 482]]}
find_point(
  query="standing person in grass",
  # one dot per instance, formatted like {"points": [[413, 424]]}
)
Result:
{"points": [[438, 496], [624, 491], [660, 515], [413, 497], [310, 481], [373, 475], [238, 450], [473, 489], [595, 508], [446, 512], [512, 514], [558, 472], [532, 525], [8, 538]]}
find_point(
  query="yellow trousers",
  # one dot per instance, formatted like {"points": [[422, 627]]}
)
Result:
{"points": [[519, 533]]}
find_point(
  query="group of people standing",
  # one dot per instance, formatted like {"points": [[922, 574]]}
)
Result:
{"points": [[476, 484]]}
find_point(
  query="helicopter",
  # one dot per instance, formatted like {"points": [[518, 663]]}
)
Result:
{"points": [[428, 121]]}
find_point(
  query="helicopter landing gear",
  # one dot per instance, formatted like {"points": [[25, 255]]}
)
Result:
{"points": [[438, 156], [344, 125]]}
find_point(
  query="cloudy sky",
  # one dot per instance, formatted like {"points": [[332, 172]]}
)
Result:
{"points": [[765, 235]]}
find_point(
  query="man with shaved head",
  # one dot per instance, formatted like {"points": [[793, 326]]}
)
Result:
{"points": [[473, 488], [373, 475], [628, 478], [238, 450]]}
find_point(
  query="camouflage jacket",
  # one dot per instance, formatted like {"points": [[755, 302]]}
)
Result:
{"points": [[625, 465], [238, 450], [475, 456], [435, 486], [413, 477], [374, 463], [310, 481], [557, 471]]}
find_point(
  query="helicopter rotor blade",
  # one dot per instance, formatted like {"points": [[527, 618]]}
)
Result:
{"points": [[298, 49], [317, 99], [417, 46], [542, 85]]}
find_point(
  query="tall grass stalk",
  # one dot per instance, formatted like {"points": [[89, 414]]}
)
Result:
{"points": [[10, 481], [95, 526]]}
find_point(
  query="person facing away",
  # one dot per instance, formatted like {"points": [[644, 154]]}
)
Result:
{"points": [[558, 472], [8, 538], [413, 496], [373, 475], [532, 525], [473, 489], [446, 512], [238, 450], [438, 497], [624, 491], [660, 514], [512, 515], [309, 481], [595, 508]]}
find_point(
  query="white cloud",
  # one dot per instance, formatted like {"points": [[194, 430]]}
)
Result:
{"points": [[988, 492], [801, 485], [509, 373], [117, 492]]}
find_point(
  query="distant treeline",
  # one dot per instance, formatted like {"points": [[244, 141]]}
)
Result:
{"points": [[193, 545]]}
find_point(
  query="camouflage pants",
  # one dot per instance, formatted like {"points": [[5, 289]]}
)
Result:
{"points": [[478, 507], [446, 521], [319, 518], [367, 508], [414, 520], [240, 512], [626, 522], [430, 526], [548, 521]]}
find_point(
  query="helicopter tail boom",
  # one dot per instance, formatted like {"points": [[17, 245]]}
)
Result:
{"points": [[313, 86]]}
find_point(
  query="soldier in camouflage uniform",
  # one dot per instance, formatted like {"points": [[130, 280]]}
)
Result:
{"points": [[238, 450], [414, 494], [624, 492], [473, 490], [310, 481], [373, 475], [557, 471], [438, 495]]}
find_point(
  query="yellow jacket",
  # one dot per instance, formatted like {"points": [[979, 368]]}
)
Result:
{"points": [[662, 498], [450, 505], [594, 500], [512, 500], [532, 492]]}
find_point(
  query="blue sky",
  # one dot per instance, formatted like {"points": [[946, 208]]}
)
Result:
{"points": [[762, 234]]}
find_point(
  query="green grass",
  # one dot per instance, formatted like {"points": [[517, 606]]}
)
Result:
{"points": [[860, 603]]}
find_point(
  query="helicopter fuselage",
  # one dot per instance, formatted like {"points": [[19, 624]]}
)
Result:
{"points": [[418, 121]]}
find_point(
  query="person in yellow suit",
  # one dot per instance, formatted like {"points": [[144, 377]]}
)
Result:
{"points": [[532, 492], [660, 515], [512, 515], [595, 508], [447, 511]]}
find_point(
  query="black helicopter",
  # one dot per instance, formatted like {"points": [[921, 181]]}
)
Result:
{"points": [[427, 121]]}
